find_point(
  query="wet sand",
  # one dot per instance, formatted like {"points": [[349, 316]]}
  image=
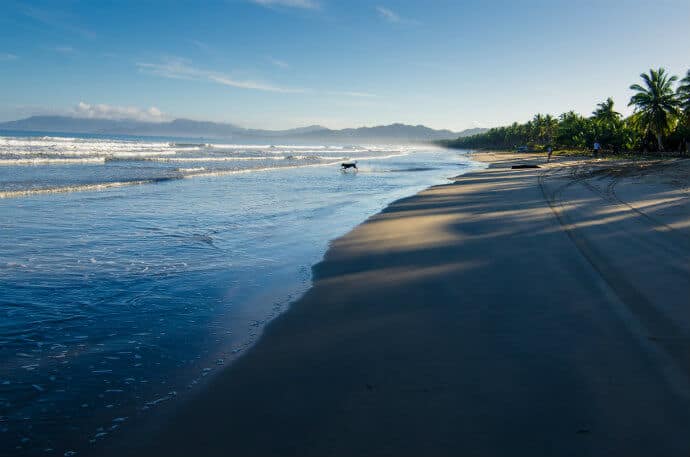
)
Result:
{"points": [[512, 312]]}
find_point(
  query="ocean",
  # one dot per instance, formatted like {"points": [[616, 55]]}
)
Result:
{"points": [[132, 269]]}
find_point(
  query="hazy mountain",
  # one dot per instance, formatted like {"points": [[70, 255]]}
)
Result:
{"points": [[66, 124], [384, 133], [394, 133]]}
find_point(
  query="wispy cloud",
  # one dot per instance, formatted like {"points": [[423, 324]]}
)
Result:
{"points": [[279, 63], [387, 14], [391, 16], [66, 50], [103, 111], [181, 69], [57, 19], [6, 56], [177, 68], [347, 93], [201, 45], [303, 4]]}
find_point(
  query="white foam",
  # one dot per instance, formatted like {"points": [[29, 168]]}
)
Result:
{"points": [[54, 147], [188, 173], [50, 161], [252, 170], [209, 159], [388, 156], [47, 150], [63, 189]]}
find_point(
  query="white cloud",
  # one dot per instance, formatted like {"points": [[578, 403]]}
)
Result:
{"points": [[391, 16], [180, 69], [5, 56], [279, 63], [353, 94], [304, 4], [102, 111]]}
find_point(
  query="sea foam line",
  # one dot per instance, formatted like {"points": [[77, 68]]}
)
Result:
{"points": [[208, 159], [49, 161], [235, 158], [110, 185], [250, 170], [81, 188]]}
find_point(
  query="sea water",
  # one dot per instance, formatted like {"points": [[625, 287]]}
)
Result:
{"points": [[133, 268]]}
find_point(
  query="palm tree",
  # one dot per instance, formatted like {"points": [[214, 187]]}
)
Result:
{"points": [[543, 127], [550, 124], [684, 93], [656, 105], [606, 113]]}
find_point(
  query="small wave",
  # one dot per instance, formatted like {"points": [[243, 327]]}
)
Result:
{"points": [[388, 156], [301, 148], [305, 157], [189, 145], [252, 170], [57, 139], [239, 146], [210, 159], [287, 147], [82, 147], [79, 188], [412, 169], [50, 161], [184, 173]]}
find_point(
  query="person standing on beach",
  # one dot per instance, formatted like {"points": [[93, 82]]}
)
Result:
{"points": [[549, 150], [597, 148]]}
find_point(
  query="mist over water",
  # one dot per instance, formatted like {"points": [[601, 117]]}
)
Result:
{"points": [[132, 269], [32, 165]]}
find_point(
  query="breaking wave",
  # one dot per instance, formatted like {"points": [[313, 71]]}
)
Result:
{"points": [[79, 188], [179, 173], [47, 164], [51, 161]]}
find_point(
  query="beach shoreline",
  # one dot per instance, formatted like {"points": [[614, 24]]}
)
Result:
{"points": [[429, 330]]}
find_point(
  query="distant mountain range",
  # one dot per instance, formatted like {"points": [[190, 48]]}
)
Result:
{"points": [[394, 133]]}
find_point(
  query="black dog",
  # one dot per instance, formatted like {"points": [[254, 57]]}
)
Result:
{"points": [[345, 165]]}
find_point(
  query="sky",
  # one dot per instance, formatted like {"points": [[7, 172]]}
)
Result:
{"points": [[289, 63]]}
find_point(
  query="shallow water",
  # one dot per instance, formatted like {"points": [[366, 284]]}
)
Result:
{"points": [[117, 300]]}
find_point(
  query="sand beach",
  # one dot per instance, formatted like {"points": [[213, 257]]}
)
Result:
{"points": [[536, 311]]}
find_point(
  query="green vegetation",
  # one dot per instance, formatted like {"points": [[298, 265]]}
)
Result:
{"points": [[684, 99], [660, 122]]}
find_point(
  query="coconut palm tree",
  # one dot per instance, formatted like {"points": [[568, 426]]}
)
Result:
{"points": [[656, 105], [605, 112], [684, 93], [543, 127], [550, 124], [607, 124]]}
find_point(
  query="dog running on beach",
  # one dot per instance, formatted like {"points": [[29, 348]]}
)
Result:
{"points": [[345, 165]]}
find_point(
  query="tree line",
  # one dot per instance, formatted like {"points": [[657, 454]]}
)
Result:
{"points": [[660, 122]]}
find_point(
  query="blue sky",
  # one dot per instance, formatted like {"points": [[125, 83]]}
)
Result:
{"points": [[288, 63]]}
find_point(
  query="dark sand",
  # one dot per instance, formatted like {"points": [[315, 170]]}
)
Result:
{"points": [[515, 312]]}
